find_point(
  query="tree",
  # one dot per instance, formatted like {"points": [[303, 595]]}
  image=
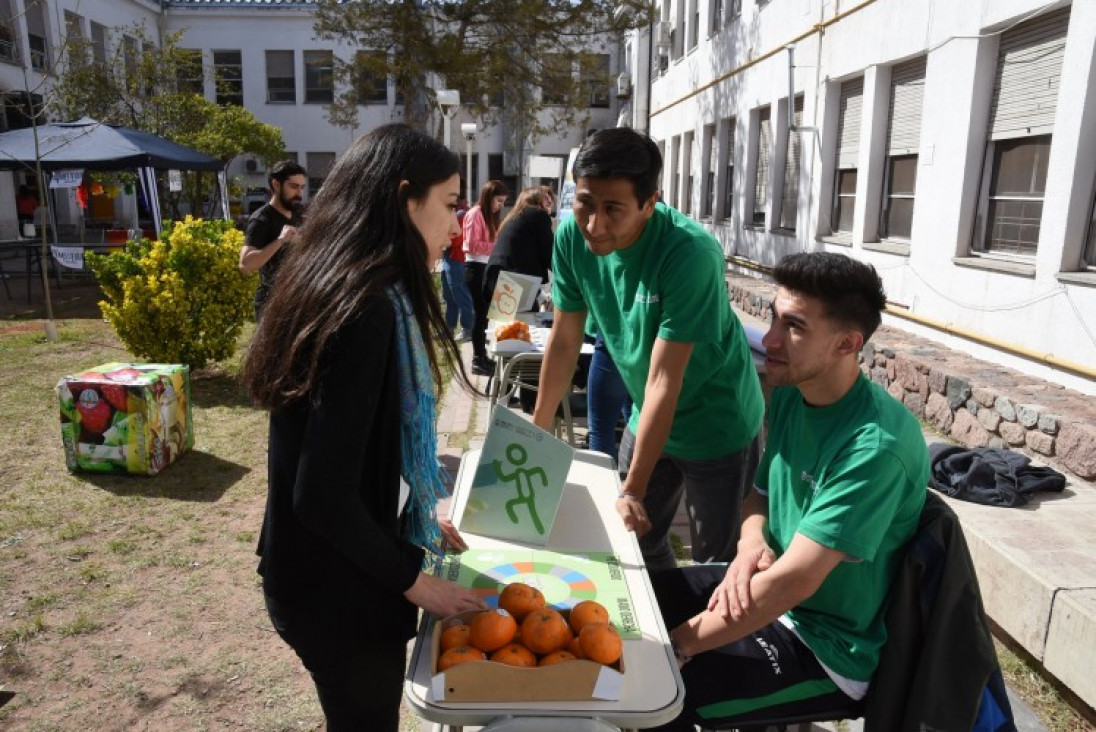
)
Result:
{"points": [[498, 53], [157, 89]]}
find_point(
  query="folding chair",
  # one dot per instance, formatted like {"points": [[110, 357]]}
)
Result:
{"points": [[522, 371]]}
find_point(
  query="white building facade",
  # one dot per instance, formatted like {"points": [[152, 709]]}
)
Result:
{"points": [[950, 144], [280, 71]]}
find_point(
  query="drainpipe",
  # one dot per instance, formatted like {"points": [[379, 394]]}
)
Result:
{"points": [[791, 87]]}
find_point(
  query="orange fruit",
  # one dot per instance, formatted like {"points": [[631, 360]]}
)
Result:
{"points": [[585, 612], [491, 630], [575, 648], [456, 634], [520, 599], [459, 655], [515, 654], [601, 642], [556, 657], [544, 631]]}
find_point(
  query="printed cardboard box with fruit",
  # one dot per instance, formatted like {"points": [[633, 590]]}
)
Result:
{"points": [[528, 651], [126, 417]]}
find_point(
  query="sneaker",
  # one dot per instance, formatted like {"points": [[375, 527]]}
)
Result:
{"points": [[463, 336], [483, 367]]}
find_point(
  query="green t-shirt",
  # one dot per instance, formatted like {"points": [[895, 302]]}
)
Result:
{"points": [[851, 476], [669, 284]]}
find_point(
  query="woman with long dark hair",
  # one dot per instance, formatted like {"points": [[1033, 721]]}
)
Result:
{"points": [[348, 358], [481, 226]]}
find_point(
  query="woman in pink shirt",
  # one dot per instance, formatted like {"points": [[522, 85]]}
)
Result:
{"points": [[481, 226]]}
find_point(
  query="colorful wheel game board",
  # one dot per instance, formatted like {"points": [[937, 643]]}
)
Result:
{"points": [[565, 579]]}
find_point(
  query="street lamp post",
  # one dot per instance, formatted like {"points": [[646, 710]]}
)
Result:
{"points": [[449, 103], [468, 129]]}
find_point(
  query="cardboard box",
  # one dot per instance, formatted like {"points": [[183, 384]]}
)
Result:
{"points": [[126, 417], [489, 681]]}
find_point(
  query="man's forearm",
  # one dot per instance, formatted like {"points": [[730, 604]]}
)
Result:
{"points": [[560, 356], [252, 259]]}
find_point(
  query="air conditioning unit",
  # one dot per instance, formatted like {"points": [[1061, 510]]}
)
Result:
{"points": [[252, 165], [662, 34], [624, 86]]}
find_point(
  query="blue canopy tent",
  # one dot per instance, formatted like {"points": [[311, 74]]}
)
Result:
{"points": [[93, 145]]}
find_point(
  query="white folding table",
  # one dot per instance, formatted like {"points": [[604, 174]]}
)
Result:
{"points": [[587, 521]]}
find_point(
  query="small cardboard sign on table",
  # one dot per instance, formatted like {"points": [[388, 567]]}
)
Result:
{"points": [[126, 417], [515, 496], [514, 293]]}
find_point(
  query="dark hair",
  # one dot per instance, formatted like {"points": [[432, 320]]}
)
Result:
{"points": [[491, 189], [850, 291], [283, 170], [357, 241], [621, 152]]}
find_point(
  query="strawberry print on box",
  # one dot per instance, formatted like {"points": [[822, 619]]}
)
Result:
{"points": [[126, 417]]}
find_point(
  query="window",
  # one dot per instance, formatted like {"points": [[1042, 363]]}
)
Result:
{"points": [[228, 73], [281, 77], [9, 48], [370, 84], [1090, 252], [99, 48], [903, 141], [74, 25], [318, 167], [734, 10], [36, 34], [74, 38], [1025, 94], [319, 79], [715, 12], [556, 75], [189, 78], [728, 171], [761, 167], [848, 150], [710, 154], [687, 174], [694, 23], [129, 58], [595, 75], [1018, 183], [675, 155], [496, 170], [789, 200]]}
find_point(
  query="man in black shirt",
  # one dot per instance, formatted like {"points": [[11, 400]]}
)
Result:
{"points": [[272, 227]]}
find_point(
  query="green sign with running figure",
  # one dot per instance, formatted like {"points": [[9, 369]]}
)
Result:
{"points": [[518, 483]]}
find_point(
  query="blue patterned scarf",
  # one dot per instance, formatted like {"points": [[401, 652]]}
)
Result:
{"points": [[418, 437]]}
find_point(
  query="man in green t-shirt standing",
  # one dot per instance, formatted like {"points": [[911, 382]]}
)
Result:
{"points": [[651, 281], [795, 624]]}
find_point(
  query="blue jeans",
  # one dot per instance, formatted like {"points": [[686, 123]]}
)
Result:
{"points": [[454, 290], [713, 489], [606, 400]]}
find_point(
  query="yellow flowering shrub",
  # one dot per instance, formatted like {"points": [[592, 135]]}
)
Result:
{"points": [[181, 299]]}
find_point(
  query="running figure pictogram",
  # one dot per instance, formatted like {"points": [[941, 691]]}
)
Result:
{"points": [[523, 480]]}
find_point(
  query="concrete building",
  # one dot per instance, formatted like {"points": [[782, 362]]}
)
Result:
{"points": [[270, 61], [951, 144]]}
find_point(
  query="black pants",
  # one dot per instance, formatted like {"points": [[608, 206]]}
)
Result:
{"points": [[768, 674], [359, 679], [474, 275]]}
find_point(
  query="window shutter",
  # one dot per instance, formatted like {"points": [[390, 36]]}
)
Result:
{"points": [[848, 125], [1029, 65], [764, 147], [279, 64], [789, 204], [36, 23], [907, 92]]}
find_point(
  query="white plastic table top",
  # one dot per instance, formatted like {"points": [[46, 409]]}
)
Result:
{"points": [[586, 521]]}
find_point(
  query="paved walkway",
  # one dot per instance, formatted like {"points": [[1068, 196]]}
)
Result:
{"points": [[463, 424]]}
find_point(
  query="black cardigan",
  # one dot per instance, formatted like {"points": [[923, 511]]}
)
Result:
{"points": [[524, 245], [331, 529]]}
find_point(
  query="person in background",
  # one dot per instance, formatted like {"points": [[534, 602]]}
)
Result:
{"points": [[272, 227], [524, 243], [795, 623], [607, 400], [348, 358], [25, 204], [454, 288], [481, 226], [652, 282]]}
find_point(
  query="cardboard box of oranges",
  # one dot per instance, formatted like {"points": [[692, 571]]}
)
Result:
{"points": [[489, 655]]}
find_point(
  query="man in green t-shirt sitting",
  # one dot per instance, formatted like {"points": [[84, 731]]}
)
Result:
{"points": [[795, 624], [652, 282]]}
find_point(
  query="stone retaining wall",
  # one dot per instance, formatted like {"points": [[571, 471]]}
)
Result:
{"points": [[977, 403]]}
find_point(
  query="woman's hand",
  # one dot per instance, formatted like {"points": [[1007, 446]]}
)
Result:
{"points": [[442, 598], [453, 539], [731, 599]]}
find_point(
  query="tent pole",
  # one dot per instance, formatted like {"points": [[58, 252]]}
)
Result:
{"points": [[44, 255]]}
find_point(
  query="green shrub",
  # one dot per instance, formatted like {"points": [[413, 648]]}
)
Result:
{"points": [[181, 299]]}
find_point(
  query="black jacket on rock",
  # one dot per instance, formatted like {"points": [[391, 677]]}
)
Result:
{"points": [[331, 529]]}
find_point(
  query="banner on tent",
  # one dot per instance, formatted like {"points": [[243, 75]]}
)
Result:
{"points": [[67, 178]]}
